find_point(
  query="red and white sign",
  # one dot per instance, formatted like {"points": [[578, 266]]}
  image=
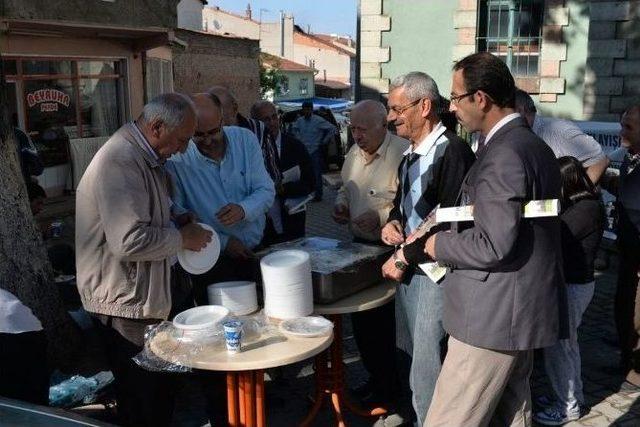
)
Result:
{"points": [[48, 99]]}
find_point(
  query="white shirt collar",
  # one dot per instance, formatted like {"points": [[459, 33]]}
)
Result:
{"points": [[425, 145], [499, 125]]}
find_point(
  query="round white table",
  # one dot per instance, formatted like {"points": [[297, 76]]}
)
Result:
{"points": [[330, 382], [245, 370]]}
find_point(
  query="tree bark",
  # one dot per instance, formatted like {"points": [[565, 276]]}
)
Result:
{"points": [[25, 270]]}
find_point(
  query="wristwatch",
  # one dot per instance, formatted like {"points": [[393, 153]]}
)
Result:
{"points": [[399, 264]]}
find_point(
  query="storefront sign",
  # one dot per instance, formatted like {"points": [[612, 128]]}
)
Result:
{"points": [[48, 99]]}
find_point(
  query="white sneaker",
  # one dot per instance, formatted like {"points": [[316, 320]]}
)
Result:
{"points": [[554, 416]]}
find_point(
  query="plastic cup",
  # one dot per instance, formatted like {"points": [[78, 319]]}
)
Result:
{"points": [[233, 335]]}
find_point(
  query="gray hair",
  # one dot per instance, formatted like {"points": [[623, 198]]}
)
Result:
{"points": [[255, 108], [170, 108], [524, 102], [418, 85], [374, 109]]}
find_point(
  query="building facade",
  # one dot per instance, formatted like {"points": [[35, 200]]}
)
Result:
{"points": [[332, 56], [211, 60], [579, 59], [79, 69], [297, 82]]}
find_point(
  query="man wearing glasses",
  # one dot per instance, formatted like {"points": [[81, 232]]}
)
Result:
{"points": [[430, 175], [222, 178], [504, 288]]}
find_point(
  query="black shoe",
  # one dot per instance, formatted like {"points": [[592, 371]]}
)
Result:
{"points": [[377, 399], [362, 390]]}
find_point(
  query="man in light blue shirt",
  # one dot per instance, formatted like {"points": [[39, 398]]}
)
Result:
{"points": [[314, 132], [222, 179]]}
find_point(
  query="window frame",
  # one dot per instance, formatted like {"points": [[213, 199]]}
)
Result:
{"points": [[517, 45]]}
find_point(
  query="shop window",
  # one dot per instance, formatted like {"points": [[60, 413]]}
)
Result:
{"points": [[512, 30], [51, 117], [9, 67], [304, 86], [159, 77], [55, 101]]}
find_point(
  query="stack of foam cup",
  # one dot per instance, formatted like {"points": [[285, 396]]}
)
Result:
{"points": [[286, 278], [239, 296]]}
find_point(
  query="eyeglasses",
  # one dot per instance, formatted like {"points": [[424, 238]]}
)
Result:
{"points": [[400, 110], [202, 136], [456, 98]]}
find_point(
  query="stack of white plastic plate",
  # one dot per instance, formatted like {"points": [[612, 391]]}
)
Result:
{"points": [[286, 278], [202, 261], [239, 297], [200, 323]]}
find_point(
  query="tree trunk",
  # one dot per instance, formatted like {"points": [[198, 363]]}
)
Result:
{"points": [[24, 266]]}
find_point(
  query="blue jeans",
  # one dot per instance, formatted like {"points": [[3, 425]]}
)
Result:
{"points": [[419, 312], [317, 162]]}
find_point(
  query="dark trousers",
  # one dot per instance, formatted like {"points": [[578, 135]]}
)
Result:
{"points": [[317, 162], [144, 398], [626, 307], [23, 367], [375, 334], [293, 227]]}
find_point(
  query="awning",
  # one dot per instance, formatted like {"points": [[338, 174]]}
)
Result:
{"points": [[140, 38], [335, 105]]}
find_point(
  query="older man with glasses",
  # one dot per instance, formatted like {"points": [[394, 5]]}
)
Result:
{"points": [[430, 174], [222, 178]]}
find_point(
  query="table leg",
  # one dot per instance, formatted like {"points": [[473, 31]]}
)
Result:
{"points": [[242, 398], [246, 402], [249, 398], [261, 418], [321, 388], [232, 399], [331, 384]]}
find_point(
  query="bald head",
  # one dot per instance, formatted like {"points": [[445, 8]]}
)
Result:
{"points": [[369, 124], [229, 104], [630, 132], [209, 113], [266, 112]]}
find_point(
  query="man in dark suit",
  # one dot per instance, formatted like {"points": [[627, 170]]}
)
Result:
{"points": [[291, 153], [504, 288]]}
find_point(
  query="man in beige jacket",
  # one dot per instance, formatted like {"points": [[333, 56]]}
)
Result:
{"points": [[369, 184], [125, 243]]}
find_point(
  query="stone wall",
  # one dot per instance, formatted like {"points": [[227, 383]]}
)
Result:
{"points": [[217, 60], [612, 79], [139, 13]]}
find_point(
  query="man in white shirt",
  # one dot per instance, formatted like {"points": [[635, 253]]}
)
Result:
{"points": [[564, 137]]}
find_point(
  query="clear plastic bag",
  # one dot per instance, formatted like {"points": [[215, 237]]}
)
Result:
{"points": [[170, 349]]}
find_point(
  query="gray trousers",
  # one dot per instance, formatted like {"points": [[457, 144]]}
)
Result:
{"points": [[562, 360], [479, 387], [419, 304]]}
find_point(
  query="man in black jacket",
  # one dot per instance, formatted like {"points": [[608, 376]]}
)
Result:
{"points": [[292, 158], [430, 174]]}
